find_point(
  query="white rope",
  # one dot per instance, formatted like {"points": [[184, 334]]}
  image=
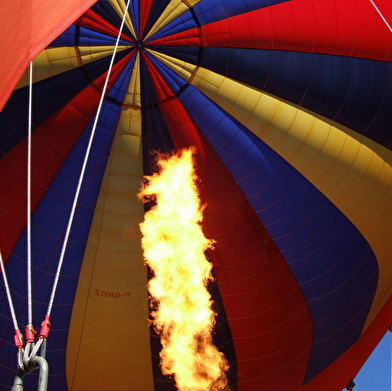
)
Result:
{"points": [[8, 294], [79, 185], [21, 351], [29, 263], [26, 354], [381, 15]]}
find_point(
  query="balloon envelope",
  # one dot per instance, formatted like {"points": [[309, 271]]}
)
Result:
{"points": [[288, 106]]}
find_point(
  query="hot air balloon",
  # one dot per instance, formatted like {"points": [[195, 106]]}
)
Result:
{"points": [[288, 107]]}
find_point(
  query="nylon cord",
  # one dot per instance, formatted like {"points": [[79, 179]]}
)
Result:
{"points": [[21, 352], [26, 355], [8, 293], [79, 185], [29, 262], [381, 15]]}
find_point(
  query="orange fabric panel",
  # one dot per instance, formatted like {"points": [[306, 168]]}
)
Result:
{"points": [[27, 28]]}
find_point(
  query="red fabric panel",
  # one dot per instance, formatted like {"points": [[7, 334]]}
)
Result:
{"points": [[255, 283], [145, 7], [27, 27], [182, 130], [162, 90], [321, 26], [52, 141], [256, 287], [186, 38], [92, 21]]}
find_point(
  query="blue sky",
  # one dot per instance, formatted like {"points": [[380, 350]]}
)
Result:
{"points": [[375, 375]]}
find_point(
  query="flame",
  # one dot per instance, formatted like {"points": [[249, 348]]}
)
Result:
{"points": [[174, 245]]}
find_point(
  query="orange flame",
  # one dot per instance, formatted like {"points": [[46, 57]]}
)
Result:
{"points": [[174, 246]]}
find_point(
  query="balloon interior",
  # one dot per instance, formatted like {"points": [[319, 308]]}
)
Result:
{"points": [[286, 107]]}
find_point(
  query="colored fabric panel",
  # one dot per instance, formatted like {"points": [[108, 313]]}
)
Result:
{"points": [[112, 289], [39, 20]]}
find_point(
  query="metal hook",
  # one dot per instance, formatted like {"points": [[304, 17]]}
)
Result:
{"points": [[35, 362]]}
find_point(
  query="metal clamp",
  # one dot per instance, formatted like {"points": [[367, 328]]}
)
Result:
{"points": [[35, 362]]}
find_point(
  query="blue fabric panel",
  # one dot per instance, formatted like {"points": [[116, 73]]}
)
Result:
{"points": [[66, 38], [76, 35], [147, 90], [133, 11], [93, 38], [189, 54], [103, 9], [49, 96], [120, 86], [354, 92], [278, 194], [184, 22], [156, 136], [156, 10], [48, 230], [174, 81], [213, 10]]}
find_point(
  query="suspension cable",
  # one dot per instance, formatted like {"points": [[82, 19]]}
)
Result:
{"points": [[29, 262], [18, 338], [18, 335], [46, 323], [29, 329]]}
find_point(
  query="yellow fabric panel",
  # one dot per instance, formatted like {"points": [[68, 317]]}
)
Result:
{"points": [[92, 53], [56, 60], [109, 340], [133, 97], [173, 10], [119, 7], [352, 171], [182, 68]]}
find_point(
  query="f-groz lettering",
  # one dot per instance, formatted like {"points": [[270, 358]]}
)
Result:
{"points": [[111, 294]]}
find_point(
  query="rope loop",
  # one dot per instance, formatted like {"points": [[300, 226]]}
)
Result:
{"points": [[28, 366]]}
